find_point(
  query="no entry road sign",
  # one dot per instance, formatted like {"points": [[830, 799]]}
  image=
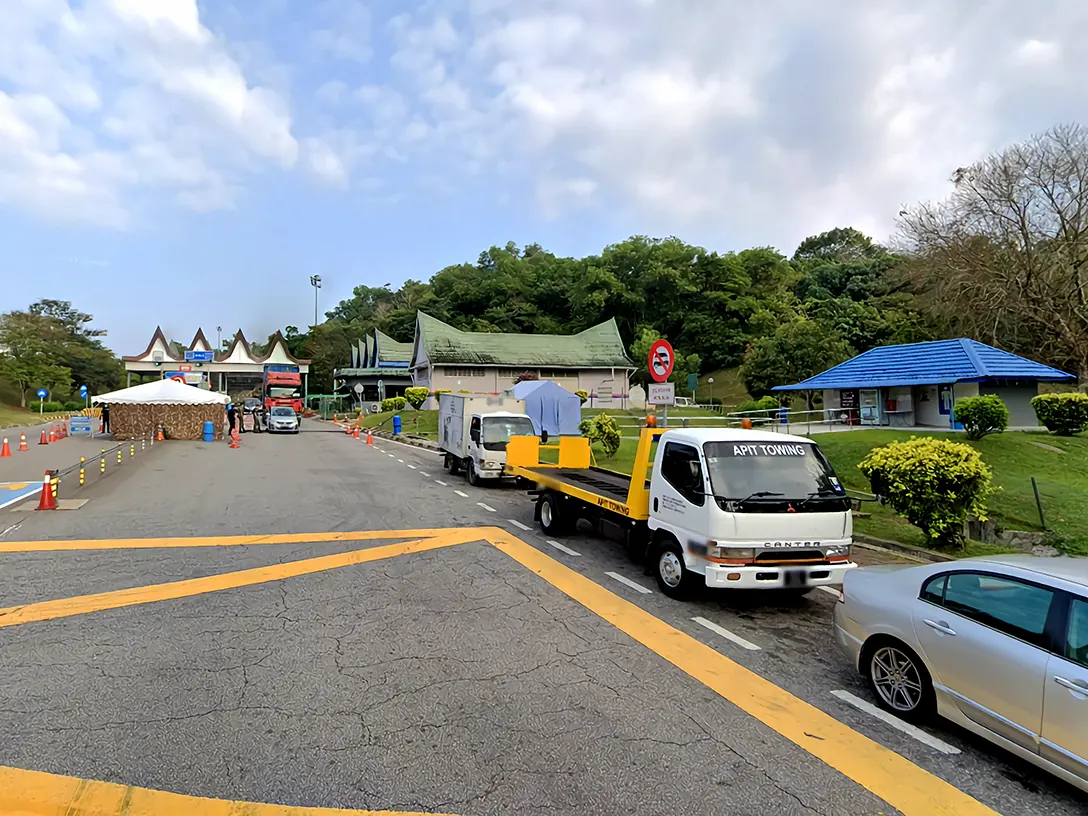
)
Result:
{"points": [[661, 361]]}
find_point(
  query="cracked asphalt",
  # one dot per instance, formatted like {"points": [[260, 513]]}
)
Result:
{"points": [[452, 680]]}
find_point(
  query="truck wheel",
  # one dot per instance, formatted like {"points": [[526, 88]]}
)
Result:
{"points": [[473, 476], [552, 521], [673, 578], [451, 464]]}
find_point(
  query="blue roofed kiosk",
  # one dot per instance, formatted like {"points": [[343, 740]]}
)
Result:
{"points": [[917, 385]]}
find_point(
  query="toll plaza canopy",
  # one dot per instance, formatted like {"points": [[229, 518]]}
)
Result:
{"points": [[179, 409]]}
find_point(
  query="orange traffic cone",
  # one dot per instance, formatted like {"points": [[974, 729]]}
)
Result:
{"points": [[5, 451], [43, 440], [48, 501], [22, 443], [234, 439], [159, 436], [356, 435], [370, 437]]}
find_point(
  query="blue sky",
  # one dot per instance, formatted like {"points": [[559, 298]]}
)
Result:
{"points": [[193, 163]]}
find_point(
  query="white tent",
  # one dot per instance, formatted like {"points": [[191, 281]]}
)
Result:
{"points": [[162, 392]]}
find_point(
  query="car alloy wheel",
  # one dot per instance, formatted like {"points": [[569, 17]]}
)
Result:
{"points": [[897, 679]]}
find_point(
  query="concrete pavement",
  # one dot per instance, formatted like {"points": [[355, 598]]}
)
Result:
{"points": [[485, 676]]}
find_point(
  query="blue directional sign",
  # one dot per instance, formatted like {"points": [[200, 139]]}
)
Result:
{"points": [[199, 356], [83, 391], [42, 393]]}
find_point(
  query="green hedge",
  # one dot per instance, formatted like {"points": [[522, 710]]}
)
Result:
{"points": [[1062, 414], [394, 404], [48, 408], [981, 415]]}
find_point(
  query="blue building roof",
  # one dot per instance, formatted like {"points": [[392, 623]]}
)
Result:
{"points": [[933, 363]]}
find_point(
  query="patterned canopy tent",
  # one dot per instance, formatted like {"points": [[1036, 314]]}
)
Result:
{"points": [[179, 409]]}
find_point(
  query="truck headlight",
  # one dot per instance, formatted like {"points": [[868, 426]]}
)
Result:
{"points": [[714, 550], [491, 465], [838, 549]]}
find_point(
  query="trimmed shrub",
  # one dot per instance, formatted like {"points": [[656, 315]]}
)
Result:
{"points": [[393, 404], [934, 484], [438, 391], [416, 396], [1062, 414], [74, 405], [582, 394], [981, 415], [762, 407], [49, 407], [602, 429]]}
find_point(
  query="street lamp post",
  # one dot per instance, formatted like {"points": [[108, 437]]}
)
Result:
{"points": [[315, 282], [218, 338]]}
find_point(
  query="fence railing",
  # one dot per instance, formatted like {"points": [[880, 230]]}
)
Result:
{"points": [[90, 470]]}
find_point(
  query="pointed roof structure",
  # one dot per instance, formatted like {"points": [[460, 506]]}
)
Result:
{"points": [[934, 362], [158, 350], [200, 342], [389, 352], [597, 347]]}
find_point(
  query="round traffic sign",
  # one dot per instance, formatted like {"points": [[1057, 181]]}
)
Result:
{"points": [[42, 393], [179, 377], [661, 360]]}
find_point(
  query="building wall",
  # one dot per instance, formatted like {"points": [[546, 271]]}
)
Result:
{"points": [[609, 386], [1017, 397], [927, 407]]}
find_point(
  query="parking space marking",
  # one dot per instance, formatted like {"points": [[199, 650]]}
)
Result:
{"points": [[519, 525], [461, 493], [486, 507], [628, 582], [564, 548], [725, 633], [896, 723], [893, 778], [134, 596], [36, 793], [439, 481], [829, 590]]}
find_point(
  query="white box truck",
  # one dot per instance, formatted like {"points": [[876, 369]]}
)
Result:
{"points": [[473, 431]]}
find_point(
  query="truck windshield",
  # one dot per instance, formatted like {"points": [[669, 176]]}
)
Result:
{"points": [[289, 393], [774, 476], [498, 430]]}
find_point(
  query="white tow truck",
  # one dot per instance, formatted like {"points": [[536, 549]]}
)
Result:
{"points": [[473, 432], [725, 507]]}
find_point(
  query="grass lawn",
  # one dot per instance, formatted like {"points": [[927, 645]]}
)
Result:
{"points": [[1014, 457], [419, 423], [13, 417], [727, 386]]}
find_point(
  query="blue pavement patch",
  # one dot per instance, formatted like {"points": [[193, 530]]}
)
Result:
{"points": [[14, 492]]}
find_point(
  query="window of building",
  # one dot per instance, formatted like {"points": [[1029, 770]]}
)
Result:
{"points": [[464, 372]]}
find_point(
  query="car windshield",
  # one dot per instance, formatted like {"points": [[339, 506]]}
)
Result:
{"points": [[252, 403], [784, 472], [498, 430], [282, 411]]}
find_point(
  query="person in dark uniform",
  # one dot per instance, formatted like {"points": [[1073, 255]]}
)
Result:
{"points": [[105, 418], [230, 419]]}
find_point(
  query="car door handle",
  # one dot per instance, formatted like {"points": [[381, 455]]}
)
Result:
{"points": [[1073, 685], [940, 626]]}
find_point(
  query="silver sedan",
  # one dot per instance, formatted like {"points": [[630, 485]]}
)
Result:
{"points": [[997, 645], [283, 419]]}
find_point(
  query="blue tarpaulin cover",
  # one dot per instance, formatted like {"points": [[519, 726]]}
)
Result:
{"points": [[551, 407]]}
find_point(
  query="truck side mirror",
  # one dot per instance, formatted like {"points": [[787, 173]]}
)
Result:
{"points": [[544, 437], [474, 435]]}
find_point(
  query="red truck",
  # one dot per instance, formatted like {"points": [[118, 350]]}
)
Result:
{"points": [[282, 385]]}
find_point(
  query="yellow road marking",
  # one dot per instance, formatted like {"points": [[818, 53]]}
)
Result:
{"points": [[82, 604], [15, 485], [895, 779], [217, 541], [33, 793]]}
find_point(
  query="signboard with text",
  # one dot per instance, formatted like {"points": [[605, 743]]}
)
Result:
{"points": [[199, 356], [661, 394]]}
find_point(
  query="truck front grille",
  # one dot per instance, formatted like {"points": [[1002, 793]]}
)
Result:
{"points": [[785, 556]]}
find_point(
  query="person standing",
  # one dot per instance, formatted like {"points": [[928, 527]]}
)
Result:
{"points": [[230, 420], [105, 418]]}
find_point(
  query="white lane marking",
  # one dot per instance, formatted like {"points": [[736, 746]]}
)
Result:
{"points": [[462, 495], [425, 475], [518, 524], [725, 633], [413, 467], [563, 548], [630, 583], [439, 481], [829, 590], [15, 526], [401, 461], [379, 450], [895, 722], [391, 455], [486, 507]]}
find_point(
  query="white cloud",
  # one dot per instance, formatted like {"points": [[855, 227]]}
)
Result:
{"points": [[345, 30], [727, 119], [116, 95]]}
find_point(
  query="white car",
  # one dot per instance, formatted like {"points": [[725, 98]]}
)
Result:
{"points": [[283, 419], [997, 645]]}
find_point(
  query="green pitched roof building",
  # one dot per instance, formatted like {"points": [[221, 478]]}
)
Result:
{"points": [[593, 360]]}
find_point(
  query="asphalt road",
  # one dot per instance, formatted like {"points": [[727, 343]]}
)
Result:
{"points": [[451, 679]]}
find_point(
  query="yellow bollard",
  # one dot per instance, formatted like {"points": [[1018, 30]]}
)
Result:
{"points": [[54, 482], [142, 448], [118, 456], [102, 461], [82, 470], [131, 450]]}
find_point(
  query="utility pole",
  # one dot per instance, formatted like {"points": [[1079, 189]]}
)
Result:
{"points": [[315, 282], [218, 338]]}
